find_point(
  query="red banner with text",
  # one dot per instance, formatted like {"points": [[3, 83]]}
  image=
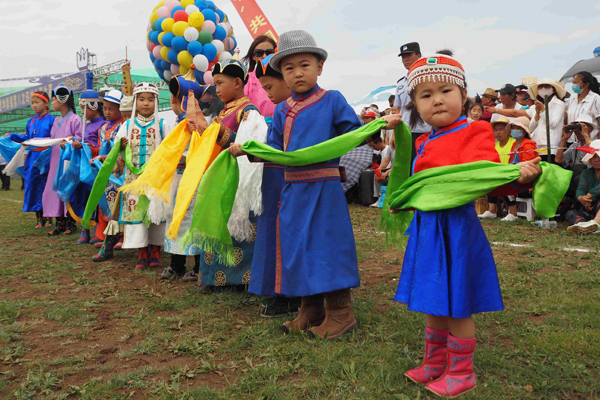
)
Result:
{"points": [[255, 19]]}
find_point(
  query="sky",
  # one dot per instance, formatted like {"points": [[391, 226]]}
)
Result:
{"points": [[496, 42]]}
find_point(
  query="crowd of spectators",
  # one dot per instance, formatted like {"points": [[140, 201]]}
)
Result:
{"points": [[517, 114]]}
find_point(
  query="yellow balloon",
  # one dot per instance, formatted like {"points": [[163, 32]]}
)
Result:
{"points": [[167, 24], [196, 19], [160, 36], [185, 3], [180, 27], [185, 59], [164, 53], [160, 4], [153, 17]]}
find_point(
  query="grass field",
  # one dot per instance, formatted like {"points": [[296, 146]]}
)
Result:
{"points": [[70, 328]]}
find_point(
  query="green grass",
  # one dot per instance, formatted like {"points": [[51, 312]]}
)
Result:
{"points": [[70, 328]]}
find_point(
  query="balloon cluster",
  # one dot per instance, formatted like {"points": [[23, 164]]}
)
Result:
{"points": [[186, 32]]}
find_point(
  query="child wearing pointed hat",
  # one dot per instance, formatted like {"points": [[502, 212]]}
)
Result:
{"points": [[230, 77], [180, 87], [264, 262]]}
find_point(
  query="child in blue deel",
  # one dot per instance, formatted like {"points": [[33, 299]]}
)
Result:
{"points": [[316, 252]]}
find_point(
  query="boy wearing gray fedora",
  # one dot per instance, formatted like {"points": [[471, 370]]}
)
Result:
{"points": [[316, 252]]}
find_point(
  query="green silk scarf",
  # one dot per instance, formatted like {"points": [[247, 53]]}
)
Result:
{"points": [[217, 189], [456, 185]]}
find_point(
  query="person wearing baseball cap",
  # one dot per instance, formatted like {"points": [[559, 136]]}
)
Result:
{"points": [[509, 106], [369, 116], [410, 53]]}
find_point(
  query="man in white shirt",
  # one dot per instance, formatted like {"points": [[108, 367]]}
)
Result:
{"points": [[508, 100], [410, 53]]}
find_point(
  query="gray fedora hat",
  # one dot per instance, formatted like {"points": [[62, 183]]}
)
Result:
{"points": [[295, 42]]}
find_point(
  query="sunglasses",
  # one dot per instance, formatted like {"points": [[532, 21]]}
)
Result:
{"points": [[260, 53]]}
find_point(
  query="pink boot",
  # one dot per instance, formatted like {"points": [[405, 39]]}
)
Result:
{"points": [[434, 362], [459, 377]]}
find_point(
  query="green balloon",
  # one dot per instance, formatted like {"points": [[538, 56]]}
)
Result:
{"points": [[205, 37], [154, 26]]}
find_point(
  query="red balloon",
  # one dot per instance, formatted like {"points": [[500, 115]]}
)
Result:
{"points": [[181, 15]]}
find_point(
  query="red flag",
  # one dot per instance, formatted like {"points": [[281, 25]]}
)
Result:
{"points": [[587, 149], [255, 19]]}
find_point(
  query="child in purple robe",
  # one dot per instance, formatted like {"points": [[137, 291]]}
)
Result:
{"points": [[69, 124]]}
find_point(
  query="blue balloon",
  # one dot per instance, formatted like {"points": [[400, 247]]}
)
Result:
{"points": [[167, 39], [159, 24], [201, 4], [165, 65], [221, 15], [172, 55], [175, 9], [154, 37], [161, 74], [209, 15], [220, 33], [157, 64], [209, 51], [179, 43], [211, 5], [195, 48]]}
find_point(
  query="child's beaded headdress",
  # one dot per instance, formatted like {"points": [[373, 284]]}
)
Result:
{"points": [[436, 68]]}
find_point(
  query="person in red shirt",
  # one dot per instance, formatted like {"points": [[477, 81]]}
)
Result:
{"points": [[449, 272], [524, 149]]}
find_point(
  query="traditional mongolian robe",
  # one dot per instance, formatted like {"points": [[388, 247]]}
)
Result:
{"points": [[81, 194], [144, 137], [63, 127], [212, 273], [316, 252], [106, 140], [448, 267], [264, 262], [35, 181]]}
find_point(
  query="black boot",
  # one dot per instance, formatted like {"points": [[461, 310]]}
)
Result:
{"points": [[61, 225], [106, 251]]}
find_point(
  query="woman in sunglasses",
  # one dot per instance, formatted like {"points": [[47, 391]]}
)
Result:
{"points": [[263, 46]]}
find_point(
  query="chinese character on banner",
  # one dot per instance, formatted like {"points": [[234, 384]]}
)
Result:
{"points": [[255, 19]]}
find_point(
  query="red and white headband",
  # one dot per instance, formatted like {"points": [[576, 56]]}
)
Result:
{"points": [[437, 68]]}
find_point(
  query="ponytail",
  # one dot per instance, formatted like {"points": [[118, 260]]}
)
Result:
{"points": [[590, 79]]}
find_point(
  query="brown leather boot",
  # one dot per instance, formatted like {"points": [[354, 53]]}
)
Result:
{"points": [[312, 313], [339, 317]]}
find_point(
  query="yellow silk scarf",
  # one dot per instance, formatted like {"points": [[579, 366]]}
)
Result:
{"points": [[157, 177]]}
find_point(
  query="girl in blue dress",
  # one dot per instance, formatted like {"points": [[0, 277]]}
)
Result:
{"points": [[36, 162], [449, 272]]}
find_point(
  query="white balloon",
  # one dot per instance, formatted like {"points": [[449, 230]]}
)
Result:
{"points": [[191, 34], [224, 56], [168, 75], [191, 8], [219, 45], [201, 62]]}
